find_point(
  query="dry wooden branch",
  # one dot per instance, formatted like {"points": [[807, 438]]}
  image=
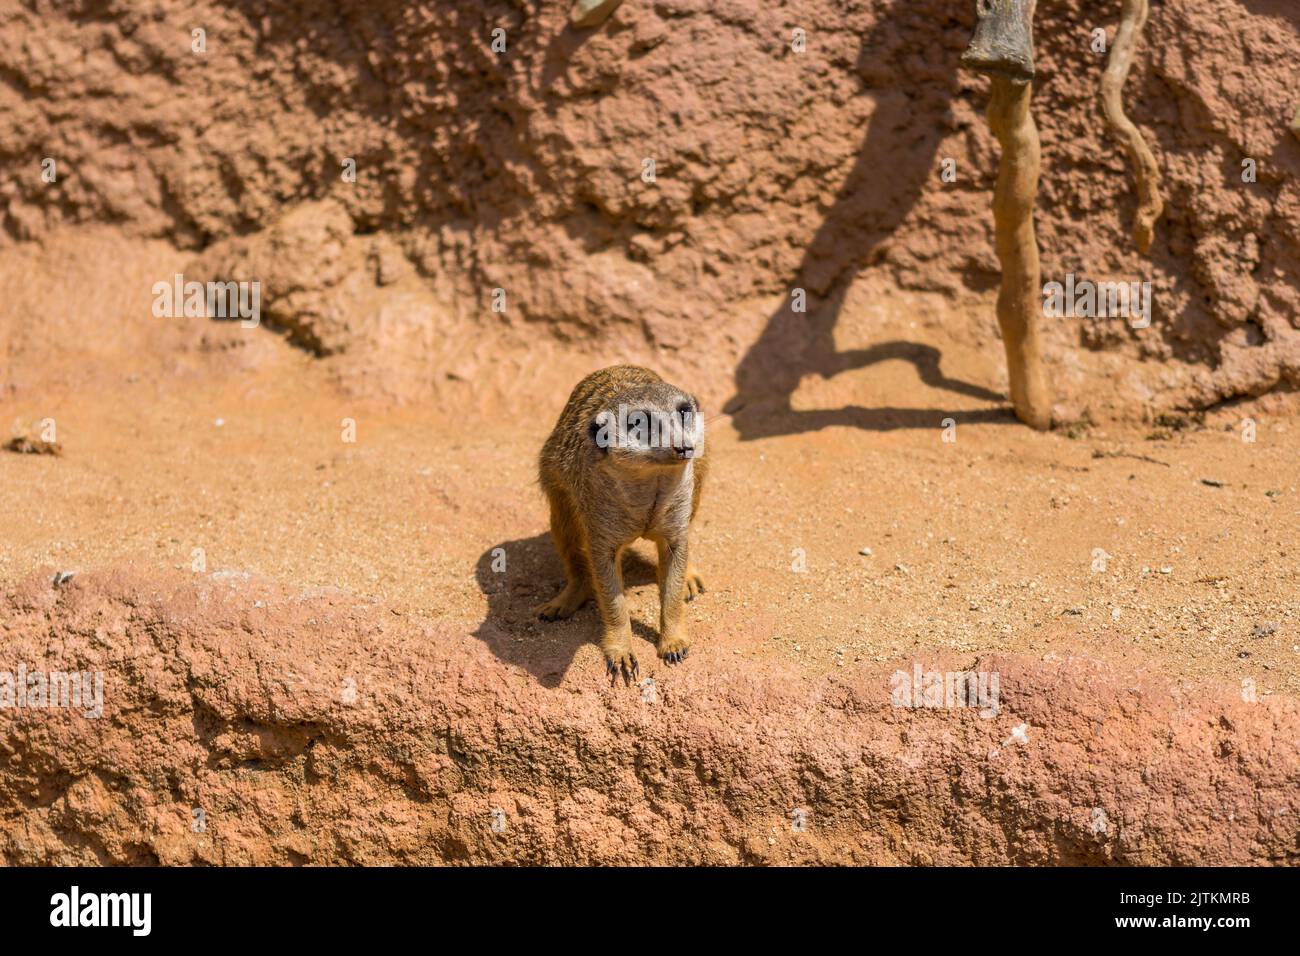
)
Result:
{"points": [[1133, 17], [1003, 44], [1020, 302], [1003, 48], [590, 13]]}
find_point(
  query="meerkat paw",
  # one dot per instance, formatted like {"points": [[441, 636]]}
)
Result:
{"points": [[673, 649], [564, 604], [694, 584], [621, 661]]}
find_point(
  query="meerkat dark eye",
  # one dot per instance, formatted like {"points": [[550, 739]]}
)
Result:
{"points": [[685, 408]]}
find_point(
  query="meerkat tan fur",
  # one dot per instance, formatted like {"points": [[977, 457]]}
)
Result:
{"points": [[625, 461]]}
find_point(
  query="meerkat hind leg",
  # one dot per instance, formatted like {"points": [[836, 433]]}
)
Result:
{"points": [[694, 583], [568, 542], [566, 603]]}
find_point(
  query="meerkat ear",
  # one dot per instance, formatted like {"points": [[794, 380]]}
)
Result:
{"points": [[594, 436]]}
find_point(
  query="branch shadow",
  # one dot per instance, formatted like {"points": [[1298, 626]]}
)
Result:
{"points": [[896, 160], [558, 53]]}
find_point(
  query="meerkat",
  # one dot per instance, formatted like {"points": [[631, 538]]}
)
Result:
{"points": [[625, 461]]}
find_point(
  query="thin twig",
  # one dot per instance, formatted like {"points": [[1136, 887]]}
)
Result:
{"points": [[1133, 17]]}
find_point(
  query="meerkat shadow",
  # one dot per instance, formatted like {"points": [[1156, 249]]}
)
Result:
{"points": [[516, 576]]}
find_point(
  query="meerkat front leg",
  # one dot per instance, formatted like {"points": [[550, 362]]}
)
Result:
{"points": [[616, 636], [674, 641], [694, 583]]}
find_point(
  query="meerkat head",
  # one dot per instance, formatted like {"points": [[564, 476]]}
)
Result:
{"points": [[655, 426]]}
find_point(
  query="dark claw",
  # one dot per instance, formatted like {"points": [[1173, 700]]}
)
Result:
{"points": [[685, 651], [690, 598], [627, 668]]}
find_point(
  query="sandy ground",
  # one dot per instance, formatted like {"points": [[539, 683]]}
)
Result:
{"points": [[989, 542]]}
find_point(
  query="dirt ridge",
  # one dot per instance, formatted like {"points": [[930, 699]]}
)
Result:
{"points": [[228, 693]]}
